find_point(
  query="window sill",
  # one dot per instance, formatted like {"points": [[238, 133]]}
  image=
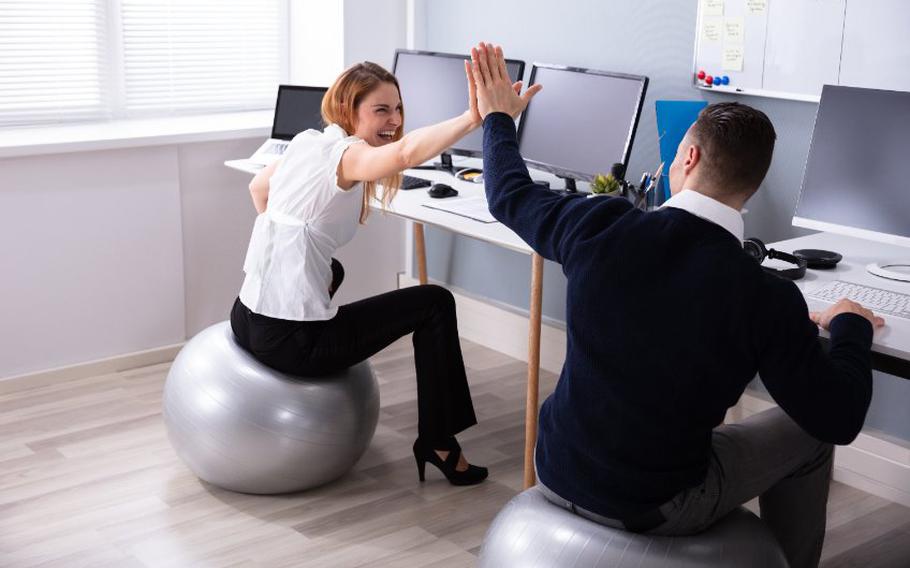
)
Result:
{"points": [[133, 133]]}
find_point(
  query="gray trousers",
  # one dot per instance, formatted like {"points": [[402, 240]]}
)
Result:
{"points": [[766, 456]]}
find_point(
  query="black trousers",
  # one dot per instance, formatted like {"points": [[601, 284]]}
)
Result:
{"points": [[363, 328]]}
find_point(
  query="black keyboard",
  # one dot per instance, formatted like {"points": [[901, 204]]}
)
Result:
{"points": [[411, 182]]}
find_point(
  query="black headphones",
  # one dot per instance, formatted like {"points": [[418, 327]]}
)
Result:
{"points": [[756, 249]]}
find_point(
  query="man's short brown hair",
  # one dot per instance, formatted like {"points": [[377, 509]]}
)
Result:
{"points": [[736, 143]]}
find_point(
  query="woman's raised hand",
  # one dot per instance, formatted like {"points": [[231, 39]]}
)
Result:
{"points": [[489, 83], [472, 96]]}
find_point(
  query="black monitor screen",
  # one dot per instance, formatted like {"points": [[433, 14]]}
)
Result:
{"points": [[434, 88], [297, 109], [856, 172], [582, 122]]}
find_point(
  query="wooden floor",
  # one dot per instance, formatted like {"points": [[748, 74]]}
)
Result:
{"points": [[87, 478]]}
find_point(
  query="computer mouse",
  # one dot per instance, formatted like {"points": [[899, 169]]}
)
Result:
{"points": [[440, 190]]}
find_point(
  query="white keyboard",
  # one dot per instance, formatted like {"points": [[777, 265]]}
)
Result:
{"points": [[881, 302], [277, 148]]}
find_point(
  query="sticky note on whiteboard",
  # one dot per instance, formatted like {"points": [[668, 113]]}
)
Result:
{"points": [[733, 30], [757, 7], [712, 7], [732, 58], [711, 29]]}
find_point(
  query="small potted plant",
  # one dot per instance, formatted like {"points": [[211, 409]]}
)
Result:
{"points": [[605, 185]]}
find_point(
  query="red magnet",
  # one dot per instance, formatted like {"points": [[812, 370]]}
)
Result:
{"points": [[701, 74], [709, 79]]}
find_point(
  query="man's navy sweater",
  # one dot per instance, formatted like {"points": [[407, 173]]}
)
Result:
{"points": [[667, 321]]}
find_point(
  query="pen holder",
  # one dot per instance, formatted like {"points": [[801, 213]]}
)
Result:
{"points": [[636, 196], [644, 199], [650, 200]]}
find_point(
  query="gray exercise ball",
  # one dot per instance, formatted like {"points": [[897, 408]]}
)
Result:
{"points": [[531, 531], [245, 427]]}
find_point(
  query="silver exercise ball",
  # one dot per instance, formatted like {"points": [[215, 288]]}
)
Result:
{"points": [[531, 531], [245, 427]]}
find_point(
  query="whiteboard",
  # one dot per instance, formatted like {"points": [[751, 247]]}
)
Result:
{"points": [[790, 48], [877, 45]]}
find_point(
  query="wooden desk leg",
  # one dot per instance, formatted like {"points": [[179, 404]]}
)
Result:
{"points": [[533, 368], [421, 253]]}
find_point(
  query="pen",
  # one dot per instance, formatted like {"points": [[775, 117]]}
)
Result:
{"points": [[660, 170], [644, 180]]}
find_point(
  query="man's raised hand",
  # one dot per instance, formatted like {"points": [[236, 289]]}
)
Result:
{"points": [[494, 90]]}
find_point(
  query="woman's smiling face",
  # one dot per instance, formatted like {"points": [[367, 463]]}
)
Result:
{"points": [[379, 116]]}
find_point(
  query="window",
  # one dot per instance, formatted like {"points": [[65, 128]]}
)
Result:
{"points": [[70, 60], [51, 61]]}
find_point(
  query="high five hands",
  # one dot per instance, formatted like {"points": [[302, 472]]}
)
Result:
{"points": [[489, 87]]}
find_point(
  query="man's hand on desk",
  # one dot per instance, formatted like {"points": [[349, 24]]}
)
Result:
{"points": [[490, 79], [844, 306]]}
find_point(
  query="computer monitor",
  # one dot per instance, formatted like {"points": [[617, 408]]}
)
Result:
{"points": [[298, 108], [434, 88], [855, 181], [582, 122]]}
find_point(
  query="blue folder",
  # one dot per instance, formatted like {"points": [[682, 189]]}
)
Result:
{"points": [[673, 120]]}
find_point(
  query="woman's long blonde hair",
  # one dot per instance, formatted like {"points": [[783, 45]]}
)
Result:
{"points": [[339, 106]]}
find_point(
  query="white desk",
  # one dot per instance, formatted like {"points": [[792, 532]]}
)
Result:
{"points": [[891, 343], [408, 204], [244, 165]]}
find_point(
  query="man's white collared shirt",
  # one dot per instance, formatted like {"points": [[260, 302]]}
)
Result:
{"points": [[708, 209]]}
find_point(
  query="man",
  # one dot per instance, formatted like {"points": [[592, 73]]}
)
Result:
{"points": [[668, 319]]}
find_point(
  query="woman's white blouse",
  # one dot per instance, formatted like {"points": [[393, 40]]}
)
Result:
{"points": [[288, 263]]}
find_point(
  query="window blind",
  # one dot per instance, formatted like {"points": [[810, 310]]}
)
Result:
{"points": [[71, 60], [200, 55], [52, 64]]}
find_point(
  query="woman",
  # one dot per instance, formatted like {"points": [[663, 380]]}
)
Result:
{"points": [[309, 204]]}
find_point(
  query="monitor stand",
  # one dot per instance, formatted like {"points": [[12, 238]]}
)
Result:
{"points": [[570, 185], [443, 165], [893, 270]]}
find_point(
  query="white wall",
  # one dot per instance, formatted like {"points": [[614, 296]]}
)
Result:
{"points": [[217, 216], [317, 49], [92, 256], [373, 29]]}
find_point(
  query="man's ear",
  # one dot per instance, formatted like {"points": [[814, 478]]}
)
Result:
{"points": [[693, 157]]}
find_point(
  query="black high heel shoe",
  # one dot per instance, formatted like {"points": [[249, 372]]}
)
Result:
{"points": [[423, 453]]}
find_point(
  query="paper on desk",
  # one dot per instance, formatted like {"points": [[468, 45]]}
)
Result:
{"points": [[475, 208]]}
